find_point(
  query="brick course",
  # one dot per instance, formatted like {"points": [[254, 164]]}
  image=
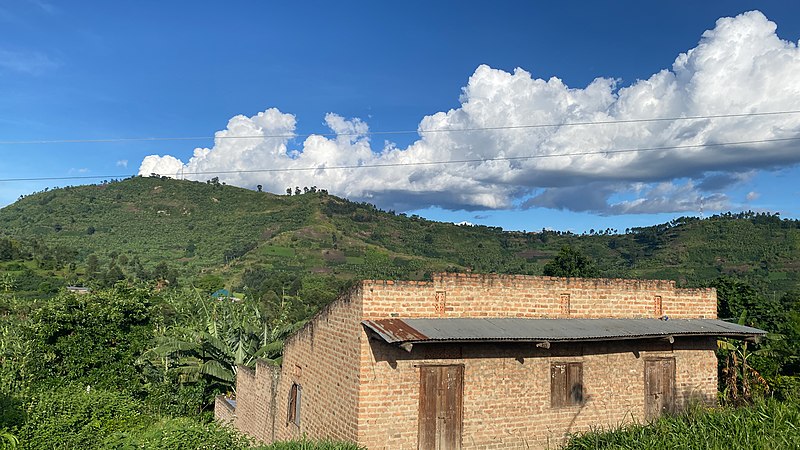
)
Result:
{"points": [[359, 389]]}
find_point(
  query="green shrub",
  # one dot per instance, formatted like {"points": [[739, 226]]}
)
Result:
{"points": [[11, 412], [786, 388], [180, 433], [91, 339], [74, 418]]}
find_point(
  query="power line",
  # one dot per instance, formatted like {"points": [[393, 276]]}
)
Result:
{"points": [[384, 133], [420, 163]]}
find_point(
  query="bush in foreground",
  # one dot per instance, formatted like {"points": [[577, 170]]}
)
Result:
{"points": [[75, 418], [180, 433]]}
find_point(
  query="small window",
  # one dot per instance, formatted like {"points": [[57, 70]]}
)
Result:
{"points": [[566, 384], [295, 394]]}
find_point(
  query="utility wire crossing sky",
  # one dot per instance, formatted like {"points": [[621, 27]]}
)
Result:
{"points": [[367, 166], [378, 133], [566, 120]]}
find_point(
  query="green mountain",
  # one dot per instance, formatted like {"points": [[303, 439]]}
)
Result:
{"points": [[241, 238]]}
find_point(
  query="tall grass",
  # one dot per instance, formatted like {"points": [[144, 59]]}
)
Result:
{"points": [[767, 425], [304, 444]]}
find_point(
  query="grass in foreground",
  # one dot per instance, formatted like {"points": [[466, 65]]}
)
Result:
{"points": [[767, 425], [310, 445]]}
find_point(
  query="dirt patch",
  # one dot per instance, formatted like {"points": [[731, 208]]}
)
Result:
{"points": [[312, 233], [736, 269], [533, 254], [334, 256], [268, 233]]}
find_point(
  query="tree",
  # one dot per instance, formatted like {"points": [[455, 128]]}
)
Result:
{"points": [[92, 339], [259, 187], [113, 275], [6, 250], [92, 265], [737, 299], [571, 263]]}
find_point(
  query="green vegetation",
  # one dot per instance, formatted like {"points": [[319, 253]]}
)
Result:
{"points": [[171, 230], [136, 363], [767, 425], [570, 263], [127, 367]]}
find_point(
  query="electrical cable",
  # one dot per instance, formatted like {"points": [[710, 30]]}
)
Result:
{"points": [[418, 163], [379, 133]]}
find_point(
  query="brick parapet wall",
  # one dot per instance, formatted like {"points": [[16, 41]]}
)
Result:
{"points": [[491, 295]]}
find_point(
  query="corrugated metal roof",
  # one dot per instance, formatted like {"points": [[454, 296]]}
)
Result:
{"points": [[550, 330]]}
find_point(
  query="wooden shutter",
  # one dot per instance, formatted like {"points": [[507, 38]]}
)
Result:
{"points": [[293, 407], [558, 385], [575, 383], [566, 384]]}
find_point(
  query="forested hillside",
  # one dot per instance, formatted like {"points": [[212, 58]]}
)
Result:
{"points": [[213, 235]]}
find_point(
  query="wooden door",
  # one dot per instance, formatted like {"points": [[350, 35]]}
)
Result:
{"points": [[659, 387], [440, 407]]}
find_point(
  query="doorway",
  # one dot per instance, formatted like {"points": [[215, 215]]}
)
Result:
{"points": [[441, 391], [659, 382]]}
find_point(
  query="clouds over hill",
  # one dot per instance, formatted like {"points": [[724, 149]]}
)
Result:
{"points": [[740, 66]]}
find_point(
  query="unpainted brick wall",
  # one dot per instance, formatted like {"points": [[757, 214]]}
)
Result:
{"points": [[323, 359], [506, 398], [223, 411]]}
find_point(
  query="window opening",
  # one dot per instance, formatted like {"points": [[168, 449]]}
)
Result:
{"points": [[566, 384]]}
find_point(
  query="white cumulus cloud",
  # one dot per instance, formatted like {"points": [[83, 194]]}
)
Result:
{"points": [[740, 66]]}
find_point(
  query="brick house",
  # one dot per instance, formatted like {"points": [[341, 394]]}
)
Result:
{"points": [[485, 361]]}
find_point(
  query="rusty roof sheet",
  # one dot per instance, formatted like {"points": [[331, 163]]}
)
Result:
{"points": [[551, 330]]}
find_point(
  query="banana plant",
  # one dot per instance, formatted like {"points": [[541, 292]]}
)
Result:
{"points": [[220, 337]]}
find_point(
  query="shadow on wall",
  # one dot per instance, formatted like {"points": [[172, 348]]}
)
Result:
{"points": [[383, 352]]}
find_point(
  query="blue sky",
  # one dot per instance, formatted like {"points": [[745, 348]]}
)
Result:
{"points": [[111, 70]]}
